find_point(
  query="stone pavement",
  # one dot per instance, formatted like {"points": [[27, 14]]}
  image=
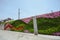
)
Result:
{"points": [[1, 26], [10, 35]]}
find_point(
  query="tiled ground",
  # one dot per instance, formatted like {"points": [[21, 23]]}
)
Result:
{"points": [[9, 35]]}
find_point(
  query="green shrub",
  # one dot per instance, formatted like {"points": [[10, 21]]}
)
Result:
{"points": [[50, 30], [45, 25], [31, 30]]}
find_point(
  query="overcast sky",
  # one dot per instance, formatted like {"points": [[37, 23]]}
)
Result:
{"points": [[9, 8]]}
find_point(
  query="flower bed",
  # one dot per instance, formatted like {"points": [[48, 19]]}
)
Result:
{"points": [[56, 34]]}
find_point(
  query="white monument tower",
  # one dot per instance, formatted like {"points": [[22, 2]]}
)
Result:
{"points": [[19, 13], [35, 25]]}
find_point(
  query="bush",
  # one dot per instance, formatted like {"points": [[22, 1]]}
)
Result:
{"points": [[49, 31], [45, 25], [31, 30]]}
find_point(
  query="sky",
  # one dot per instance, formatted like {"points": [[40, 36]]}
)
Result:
{"points": [[28, 8]]}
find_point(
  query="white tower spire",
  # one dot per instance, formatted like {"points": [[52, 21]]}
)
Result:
{"points": [[19, 13]]}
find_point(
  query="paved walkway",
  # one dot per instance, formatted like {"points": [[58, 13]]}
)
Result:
{"points": [[9, 35], [1, 26]]}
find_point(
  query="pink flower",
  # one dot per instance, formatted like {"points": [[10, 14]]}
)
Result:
{"points": [[26, 31], [27, 20]]}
